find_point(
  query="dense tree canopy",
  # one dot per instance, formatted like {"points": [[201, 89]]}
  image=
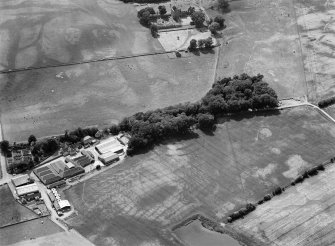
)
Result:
{"points": [[226, 96], [198, 17]]}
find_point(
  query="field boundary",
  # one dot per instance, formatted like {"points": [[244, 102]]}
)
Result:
{"points": [[20, 222]]}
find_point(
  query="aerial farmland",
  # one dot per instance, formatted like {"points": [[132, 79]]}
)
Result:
{"points": [[189, 122]]}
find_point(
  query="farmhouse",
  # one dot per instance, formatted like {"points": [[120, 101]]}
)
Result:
{"points": [[87, 141], [29, 192], [22, 180], [111, 145], [62, 205], [109, 158]]}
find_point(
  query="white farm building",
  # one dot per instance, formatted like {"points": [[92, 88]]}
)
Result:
{"points": [[109, 158], [111, 145]]}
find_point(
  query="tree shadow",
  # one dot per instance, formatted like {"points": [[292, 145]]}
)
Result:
{"points": [[247, 115]]}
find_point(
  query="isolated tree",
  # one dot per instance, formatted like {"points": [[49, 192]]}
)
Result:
{"points": [[4, 146], [209, 43], [198, 18], [223, 4], [31, 139], [162, 10], [219, 19], [193, 45], [147, 9], [176, 14], [191, 10], [145, 18], [214, 27], [201, 43], [154, 30]]}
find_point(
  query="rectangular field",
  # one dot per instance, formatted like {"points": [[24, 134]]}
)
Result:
{"points": [[28, 230], [262, 37], [46, 32], [248, 155], [48, 101], [11, 211], [317, 31], [302, 215]]}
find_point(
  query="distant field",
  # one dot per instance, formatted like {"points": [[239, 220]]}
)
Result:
{"points": [[48, 101], [45, 32], [57, 239], [317, 30], [303, 215], [28, 230], [262, 38], [137, 201], [11, 211]]}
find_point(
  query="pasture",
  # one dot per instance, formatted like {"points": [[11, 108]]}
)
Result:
{"points": [[138, 201], [302, 215], [41, 33], [48, 101], [11, 211], [262, 37], [317, 31], [28, 230]]}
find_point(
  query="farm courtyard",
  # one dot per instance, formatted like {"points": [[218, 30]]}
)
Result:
{"points": [[138, 201]]}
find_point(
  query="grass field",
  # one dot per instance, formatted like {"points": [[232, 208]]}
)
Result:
{"points": [[48, 101], [57, 239], [317, 30], [303, 215], [262, 38], [39, 33], [28, 230], [11, 211], [247, 157]]}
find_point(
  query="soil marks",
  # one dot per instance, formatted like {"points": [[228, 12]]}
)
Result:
{"points": [[137, 201]]}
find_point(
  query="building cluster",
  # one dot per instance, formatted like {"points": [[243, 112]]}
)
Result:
{"points": [[57, 171], [26, 189], [59, 204], [109, 151]]}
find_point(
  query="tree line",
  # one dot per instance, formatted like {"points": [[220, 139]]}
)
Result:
{"points": [[227, 95]]}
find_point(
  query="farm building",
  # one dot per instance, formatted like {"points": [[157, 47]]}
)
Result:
{"points": [[109, 158], [51, 196], [56, 184], [87, 141], [62, 205], [56, 171], [111, 145], [29, 192], [83, 160], [88, 154], [22, 180]]}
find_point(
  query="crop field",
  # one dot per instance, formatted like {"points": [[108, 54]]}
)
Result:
{"points": [[28, 230], [48, 101], [45, 32], [137, 201], [302, 215], [262, 37], [11, 211]]}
